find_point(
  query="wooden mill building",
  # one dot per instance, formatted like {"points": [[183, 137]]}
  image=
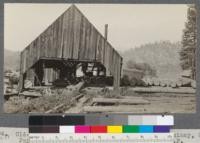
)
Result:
{"points": [[69, 43]]}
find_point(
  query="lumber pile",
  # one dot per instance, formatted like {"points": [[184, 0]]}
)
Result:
{"points": [[182, 82]]}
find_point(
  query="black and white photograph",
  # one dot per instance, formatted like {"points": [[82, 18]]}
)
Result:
{"points": [[100, 58]]}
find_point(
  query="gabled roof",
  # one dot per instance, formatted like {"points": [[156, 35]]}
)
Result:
{"points": [[72, 36]]}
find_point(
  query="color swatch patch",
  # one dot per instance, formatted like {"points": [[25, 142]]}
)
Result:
{"points": [[130, 129], [114, 129], [159, 120], [100, 129], [82, 129]]}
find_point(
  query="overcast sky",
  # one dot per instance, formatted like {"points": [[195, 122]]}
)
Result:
{"points": [[129, 25]]}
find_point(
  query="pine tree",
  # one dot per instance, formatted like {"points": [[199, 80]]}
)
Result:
{"points": [[189, 41]]}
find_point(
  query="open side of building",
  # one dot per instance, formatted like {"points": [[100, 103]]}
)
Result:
{"points": [[69, 43]]}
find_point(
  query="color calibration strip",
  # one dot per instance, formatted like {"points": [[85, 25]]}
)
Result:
{"points": [[99, 129], [157, 120], [79, 124]]}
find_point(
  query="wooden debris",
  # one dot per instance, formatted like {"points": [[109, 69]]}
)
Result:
{"points": [[73, 89], [11, 94], [55, 108], [73, 100], [30, 94], [78, 97], [8, 95], [76, 87], [78, 106], [28, 84]]}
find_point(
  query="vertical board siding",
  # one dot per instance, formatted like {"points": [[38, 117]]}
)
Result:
{"points": [[87, 39], [96, 47], [30, 75], [82, 48], [67, 24], [93, 41], [53, 50], [50, 75], [72, 36], [110, 60], [76, 33], [65, 36], [106, 58]]}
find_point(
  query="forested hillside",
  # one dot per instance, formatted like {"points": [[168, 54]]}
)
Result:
{"points": [[162, 56]]}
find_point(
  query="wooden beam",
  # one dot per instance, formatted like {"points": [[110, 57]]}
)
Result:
{"points": [[30, 94], [121, 101], [180, 90], [115, 109]]}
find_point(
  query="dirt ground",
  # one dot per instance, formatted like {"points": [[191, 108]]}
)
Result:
{"points": [[66, 101], [158, 103]]}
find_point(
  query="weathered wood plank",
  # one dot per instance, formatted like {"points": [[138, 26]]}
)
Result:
{"points": [[30, 94], [120, 101], [115, 109], [180, 90]]}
